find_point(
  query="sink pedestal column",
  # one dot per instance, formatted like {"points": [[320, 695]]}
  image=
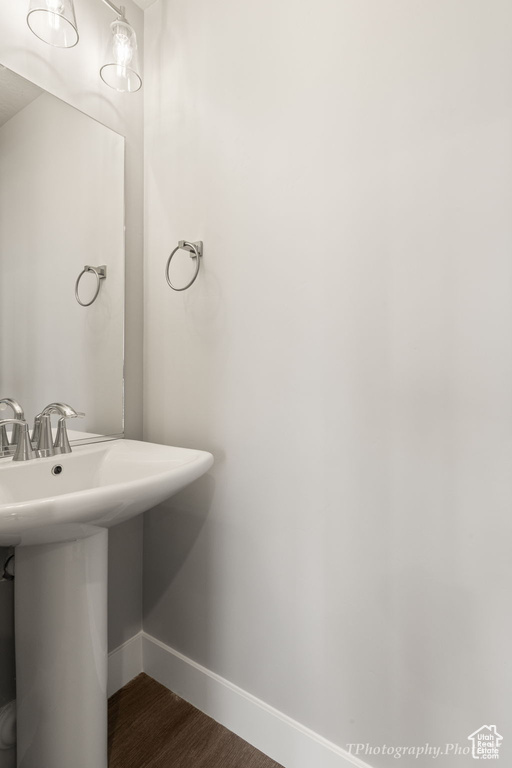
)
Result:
{"points": [[61, 653]]}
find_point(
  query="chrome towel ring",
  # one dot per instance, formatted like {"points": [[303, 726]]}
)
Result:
{"points": [[196, 251], [101, 274]]}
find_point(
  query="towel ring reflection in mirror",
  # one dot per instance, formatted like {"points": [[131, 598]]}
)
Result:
{"points": [[195, 251], [101, 274]]}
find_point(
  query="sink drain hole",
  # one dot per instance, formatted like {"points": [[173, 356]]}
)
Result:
{"points": [[57, 469]]}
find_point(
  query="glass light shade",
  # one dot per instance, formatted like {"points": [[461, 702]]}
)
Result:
{"points": [[121, 70], [54, 22]]}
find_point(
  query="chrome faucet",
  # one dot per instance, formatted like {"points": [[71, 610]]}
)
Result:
{"points": [[42, 433], [41, 444], [18, 415], [24, 450]]}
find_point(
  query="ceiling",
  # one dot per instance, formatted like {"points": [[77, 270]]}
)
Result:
{"points": [[15, 93], [144, 3]]}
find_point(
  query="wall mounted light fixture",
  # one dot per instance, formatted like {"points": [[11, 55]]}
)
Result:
{"points": [[121, 68], [54, 22]]}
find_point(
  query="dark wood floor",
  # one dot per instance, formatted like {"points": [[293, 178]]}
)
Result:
{"points": [[150, 727]]}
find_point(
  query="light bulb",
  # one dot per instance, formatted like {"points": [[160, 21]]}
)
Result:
{"points": [[122, 49], [55, 6], [120, 70]]}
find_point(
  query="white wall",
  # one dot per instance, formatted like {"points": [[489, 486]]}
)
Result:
{"points": [[72, 75], [345, 354], [62, 206]]}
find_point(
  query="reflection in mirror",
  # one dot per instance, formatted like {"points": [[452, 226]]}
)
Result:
{"points": [[61, 208]]}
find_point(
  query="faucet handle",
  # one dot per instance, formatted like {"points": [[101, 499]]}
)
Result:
{"points": [[36, 430], [42, 435], [61, 438], [62, 408], [18, 415], [24, 450], [16, 407]]}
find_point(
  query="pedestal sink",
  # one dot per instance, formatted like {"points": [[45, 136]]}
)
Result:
{"points": [[56, 511]]}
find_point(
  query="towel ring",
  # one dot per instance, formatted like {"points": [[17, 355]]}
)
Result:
{"points": [[196, 251], [101, 274]]}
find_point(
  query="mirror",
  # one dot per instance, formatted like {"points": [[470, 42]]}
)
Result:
{"points": [[61, 208]]}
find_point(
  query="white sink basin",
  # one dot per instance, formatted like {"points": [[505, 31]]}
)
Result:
{"points": [[98, 485], [58, 521]]}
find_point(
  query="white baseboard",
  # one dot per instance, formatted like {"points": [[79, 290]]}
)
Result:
{"points": [[284, 740], [124, 663], [277, 735]]}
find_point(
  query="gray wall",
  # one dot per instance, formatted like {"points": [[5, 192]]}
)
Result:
{"points": [[124, 581], [345, 354]]}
